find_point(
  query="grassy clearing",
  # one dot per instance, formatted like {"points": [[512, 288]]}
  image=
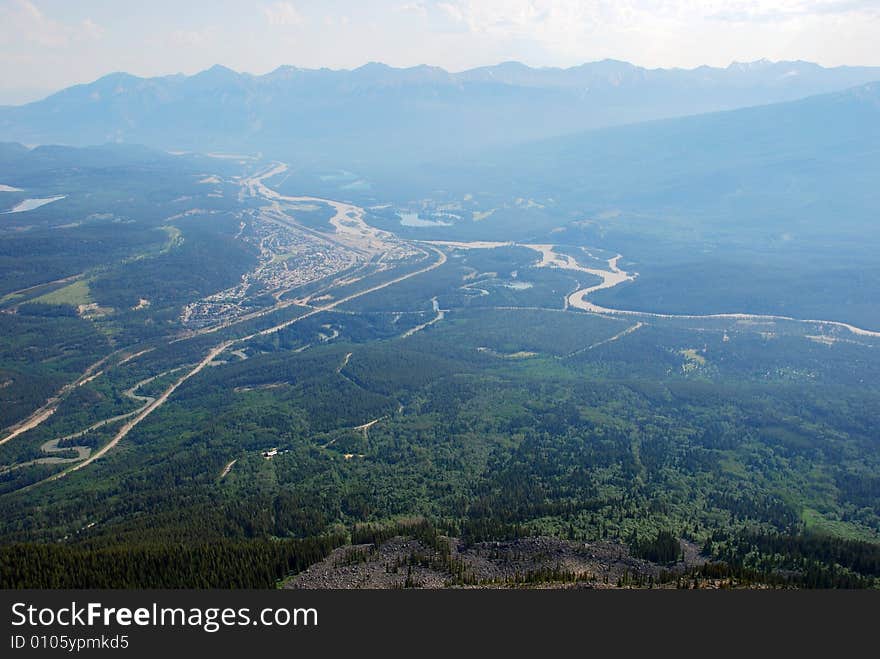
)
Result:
{"points": [[693, 359], [175, 238], [818, 523], [74, 294]]}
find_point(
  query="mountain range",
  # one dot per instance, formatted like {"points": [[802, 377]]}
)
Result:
{"points": [[379, 114], [822, 151]]}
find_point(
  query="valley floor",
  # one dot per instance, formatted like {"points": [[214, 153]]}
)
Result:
{"points": [[351, 376]]}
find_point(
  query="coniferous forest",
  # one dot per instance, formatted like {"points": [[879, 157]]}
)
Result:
{"points": [[210, 379]]}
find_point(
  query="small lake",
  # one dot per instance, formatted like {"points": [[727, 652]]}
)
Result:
{"points": [[340, 176], [31, 204], [413, 220], [359, 184]]}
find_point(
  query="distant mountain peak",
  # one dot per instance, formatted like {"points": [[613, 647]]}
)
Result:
{"points": [[370, 67], [284, 68], [115, 77], [512, 64], [218, 71], [608, 61], [764, 63]]}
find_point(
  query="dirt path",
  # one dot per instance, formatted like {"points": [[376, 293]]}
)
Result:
{"points": [[227, 469], [144, 412], [344, 363], [441, 314], [619, 335], [135, 356], [49, 407], [32, 421], [83, 452], [364, 428]]}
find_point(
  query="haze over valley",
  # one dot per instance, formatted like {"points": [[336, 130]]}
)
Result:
{"points": [[599, 326]]}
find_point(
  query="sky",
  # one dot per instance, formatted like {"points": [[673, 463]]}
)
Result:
{"points": [[46, 45]]}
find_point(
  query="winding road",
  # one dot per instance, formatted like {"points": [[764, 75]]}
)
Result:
{"points": [[49, 407], [152, 404]]}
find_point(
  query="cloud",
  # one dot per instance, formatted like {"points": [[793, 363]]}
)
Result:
{"points": [[452, 11], [535, 16], [753, 11], [30, 9], [566, 30], [414, 7], [528, 17], [283, 13], [23, 20], [91, 30], [191, 38]]}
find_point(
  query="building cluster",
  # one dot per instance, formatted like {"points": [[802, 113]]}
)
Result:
{"points": [[288, 259]]}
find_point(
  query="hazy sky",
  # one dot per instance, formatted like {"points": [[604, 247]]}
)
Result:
{"points": [[49, 44]]}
